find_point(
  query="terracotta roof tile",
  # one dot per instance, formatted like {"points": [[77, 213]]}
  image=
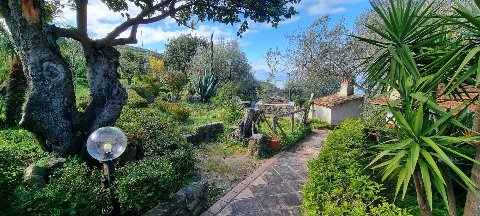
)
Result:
{"points": [[335, 99]]}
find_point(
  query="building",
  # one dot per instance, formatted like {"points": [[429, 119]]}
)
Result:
{"points": [[335, 108]]}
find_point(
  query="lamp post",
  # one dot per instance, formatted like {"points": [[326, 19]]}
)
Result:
{"points": [[105, 145]]}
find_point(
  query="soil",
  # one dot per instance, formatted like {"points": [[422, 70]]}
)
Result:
{"points": [[224, 166]]}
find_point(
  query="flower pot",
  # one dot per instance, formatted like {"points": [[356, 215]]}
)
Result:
{"points": [[274, 143]]}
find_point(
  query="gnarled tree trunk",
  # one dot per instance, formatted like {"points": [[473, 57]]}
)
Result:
{"points": [[50, 112]]}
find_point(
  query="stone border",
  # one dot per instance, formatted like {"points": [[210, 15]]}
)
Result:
{"points": [[204, 133], [190, 200], [225, 200]]}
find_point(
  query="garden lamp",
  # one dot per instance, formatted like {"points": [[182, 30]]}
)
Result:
{"points": [[106, 144]]}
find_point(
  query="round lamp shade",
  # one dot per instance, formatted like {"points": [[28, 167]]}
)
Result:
{"points": [[106, 143]]}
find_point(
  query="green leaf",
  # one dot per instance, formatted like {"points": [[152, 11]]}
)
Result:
{"points": [[429, 159], [426, 181]]}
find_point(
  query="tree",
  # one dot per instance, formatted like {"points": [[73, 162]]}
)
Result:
{"points": [[180, 51], [50, 111], [132, 63], [230, 64], [320, 56]]}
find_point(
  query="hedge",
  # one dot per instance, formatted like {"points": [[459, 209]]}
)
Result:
{"points": [[338, 183]]}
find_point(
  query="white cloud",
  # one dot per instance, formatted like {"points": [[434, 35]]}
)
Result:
{"points": [[102, 21], [326, 7]]}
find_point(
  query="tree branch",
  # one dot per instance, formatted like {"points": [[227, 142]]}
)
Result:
{"points": [[132, 39], [82, 16], [74, 34], [133, 21]]}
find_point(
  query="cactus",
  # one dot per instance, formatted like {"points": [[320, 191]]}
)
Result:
{"points": [[207, 85]]}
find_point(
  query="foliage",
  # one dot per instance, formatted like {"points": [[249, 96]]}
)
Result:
{"points": [[180, 51], [177, 111], [22, 143], [75, 181], [135, 101], [7, 51], [407, 34], [207, 85], [144, 184], [338, 183], [315, 123], [16, 88], [73, 54], [319, 56], [133, 63], [175, 81], [230, 64], [226, 98], [10, 176], [288, 138]]}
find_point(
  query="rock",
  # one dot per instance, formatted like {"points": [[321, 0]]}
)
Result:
{"points": [[188, 201], [56, 163], [34, 170], [257, 145]]}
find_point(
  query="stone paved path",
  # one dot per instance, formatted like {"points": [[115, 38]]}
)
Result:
{"points": [[273, 189]]}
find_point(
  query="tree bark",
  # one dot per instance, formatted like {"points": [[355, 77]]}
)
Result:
{"points": [[472, 204], [425, 209], [50, 112]]}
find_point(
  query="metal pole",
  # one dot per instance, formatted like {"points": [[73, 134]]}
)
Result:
{"points": [[109, 172]]}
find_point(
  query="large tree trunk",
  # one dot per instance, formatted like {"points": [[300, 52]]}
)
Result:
{"points": [[50, 112], [472, 204], [421, 197]]}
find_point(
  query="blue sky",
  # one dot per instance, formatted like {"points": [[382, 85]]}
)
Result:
{"points": [[255, 42]]}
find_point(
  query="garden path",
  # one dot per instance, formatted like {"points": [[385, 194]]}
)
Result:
{"points": [[274, 188]]}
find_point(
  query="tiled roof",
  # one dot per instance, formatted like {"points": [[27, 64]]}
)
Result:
{"points": [[335, 99], [445, 101]]}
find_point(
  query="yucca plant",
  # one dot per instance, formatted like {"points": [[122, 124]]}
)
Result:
{"points": [[207, 85], [414, 57], [466, 19]]}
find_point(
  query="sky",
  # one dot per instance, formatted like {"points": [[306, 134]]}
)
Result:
{"points": [[255, 42]]}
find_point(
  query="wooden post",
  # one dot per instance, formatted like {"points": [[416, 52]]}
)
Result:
{"points": [[274, 125], [293, 122]]}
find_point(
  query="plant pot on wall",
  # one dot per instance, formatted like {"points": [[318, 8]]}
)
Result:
{"points": [[274, 143]]}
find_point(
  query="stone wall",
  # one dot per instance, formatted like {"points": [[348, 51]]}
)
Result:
{"points": [[188, 201], [204, 133], [275, 109]]}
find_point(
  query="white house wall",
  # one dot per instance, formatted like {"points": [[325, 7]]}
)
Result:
{"points": [[351, 109], [322, 113]]}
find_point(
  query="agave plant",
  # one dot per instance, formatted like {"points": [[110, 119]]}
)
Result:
{"points": [[207, 86]]}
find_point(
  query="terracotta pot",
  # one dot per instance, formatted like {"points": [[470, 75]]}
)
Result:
{"points": [[274, 143]]}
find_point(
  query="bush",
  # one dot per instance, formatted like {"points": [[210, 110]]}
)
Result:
{"points": [[74, 189], [338, 183], [10, 176], [21, 143], [226, 98], [144, 184], [16, 89], [177, 111], [135, 101]]}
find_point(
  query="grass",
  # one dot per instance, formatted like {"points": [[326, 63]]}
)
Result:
{"points": [[289, 138]]}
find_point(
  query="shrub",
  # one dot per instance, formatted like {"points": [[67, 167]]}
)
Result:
{"points": [[146, 183], [10, 176], [226, 99], [21, 143], [177, 111], [338, 183], [74, 189], [135, 101]]}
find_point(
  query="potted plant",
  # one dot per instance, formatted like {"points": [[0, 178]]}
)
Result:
{"points": [[274, 143]]}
